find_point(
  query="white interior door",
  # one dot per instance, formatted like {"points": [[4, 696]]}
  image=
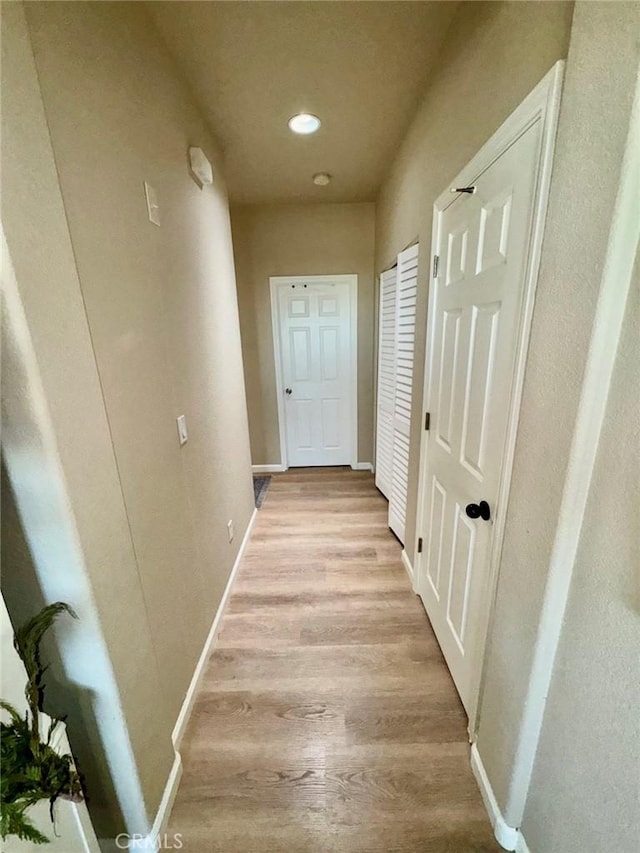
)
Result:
{"points": [[407, 289], [317, 349], [475, 311], [386, 380]]}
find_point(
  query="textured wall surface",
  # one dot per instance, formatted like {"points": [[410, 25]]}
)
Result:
{"points": [[132, 325], [594, 117], [493, 56], [308, 239], [583, 796]]}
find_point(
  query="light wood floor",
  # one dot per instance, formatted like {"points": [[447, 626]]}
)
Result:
{"points": [[328, 720]]}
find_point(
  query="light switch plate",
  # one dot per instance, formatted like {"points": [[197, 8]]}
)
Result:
{"points": [[182, 429], [153, 205]]}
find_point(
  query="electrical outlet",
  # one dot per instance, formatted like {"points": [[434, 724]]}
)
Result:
{"points": [[230, 530]]}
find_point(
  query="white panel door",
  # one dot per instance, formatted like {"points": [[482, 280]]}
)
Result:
{"points": [[386, 381], [475, 310], [407, 289], [317, 369]]}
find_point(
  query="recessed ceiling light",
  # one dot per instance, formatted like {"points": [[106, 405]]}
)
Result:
{"points": [[321, 179], [304, 123]]}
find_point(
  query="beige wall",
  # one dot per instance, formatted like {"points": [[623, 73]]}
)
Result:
{"points": [[88, 503], [600, 79], [493, 56], [584, 792], [132, 325], [311, 239]]}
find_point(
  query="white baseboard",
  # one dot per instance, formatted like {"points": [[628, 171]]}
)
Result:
{"points": [[153, 841], [406, 562], [506, 836], [278, 469], [187, 705]]}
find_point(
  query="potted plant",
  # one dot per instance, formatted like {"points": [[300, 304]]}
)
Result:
{"points": [[31, 769]]}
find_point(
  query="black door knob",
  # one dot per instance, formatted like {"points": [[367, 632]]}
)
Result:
{"points": [[481, 510], [288, 392]]}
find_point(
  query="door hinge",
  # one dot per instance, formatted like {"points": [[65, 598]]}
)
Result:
{"points": [[427, 420], [436, 263], [420, 545]]}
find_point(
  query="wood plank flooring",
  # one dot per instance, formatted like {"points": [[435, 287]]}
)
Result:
{"points": [[327, 720]]}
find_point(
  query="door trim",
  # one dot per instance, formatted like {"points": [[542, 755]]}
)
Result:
{"points": [[275, 284], [541, 105], [616, 283]]}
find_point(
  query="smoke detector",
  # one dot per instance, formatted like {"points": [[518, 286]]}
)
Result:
{"points": [[321, 179]]}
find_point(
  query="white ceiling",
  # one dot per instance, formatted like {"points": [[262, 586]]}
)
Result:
{"points": [[360, 66]]}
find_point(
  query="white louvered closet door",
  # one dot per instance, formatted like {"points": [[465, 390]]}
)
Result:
{"points": [[407, 289], [386, 381]]}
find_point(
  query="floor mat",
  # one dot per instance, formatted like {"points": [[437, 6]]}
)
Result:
{"points": [[260, 486]]}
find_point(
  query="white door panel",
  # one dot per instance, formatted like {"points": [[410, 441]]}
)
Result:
{"points": [[405, 333], [386, 381], [317, 356], [475, 315]]}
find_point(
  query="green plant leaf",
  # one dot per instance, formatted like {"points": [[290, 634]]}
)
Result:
{"points": [[27, 641], [31, 769]]}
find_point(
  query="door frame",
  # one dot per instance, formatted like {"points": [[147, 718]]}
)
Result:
{"points": [[541, 105], [276, 283]]}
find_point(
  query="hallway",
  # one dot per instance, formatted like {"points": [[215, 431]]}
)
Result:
{"points": [[327, 720]]}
